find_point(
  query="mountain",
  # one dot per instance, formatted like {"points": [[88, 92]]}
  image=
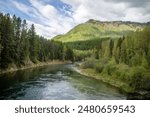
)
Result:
{"points": [[94, 29]]}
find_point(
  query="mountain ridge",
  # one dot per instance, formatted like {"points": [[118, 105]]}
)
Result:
{"points": [[99, 29]]}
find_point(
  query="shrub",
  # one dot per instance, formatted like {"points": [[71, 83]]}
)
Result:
{"points": [[109, 69], [138, 77], [122, 72], [99, 68], [89, 63]]}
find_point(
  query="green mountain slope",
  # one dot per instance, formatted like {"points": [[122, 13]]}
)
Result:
{"points": [[93, 29]]}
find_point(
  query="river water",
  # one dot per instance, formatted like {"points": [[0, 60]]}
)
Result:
{"points": [[54, 82]]}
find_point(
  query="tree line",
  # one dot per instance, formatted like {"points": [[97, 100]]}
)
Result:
{"points": [[132, 50], [125, 59], [20, 45]]}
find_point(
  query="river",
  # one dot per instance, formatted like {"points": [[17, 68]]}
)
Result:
{"points": [[54, 82]]}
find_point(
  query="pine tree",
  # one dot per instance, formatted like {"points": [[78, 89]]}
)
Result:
{"points": [[6, 41], [33, 44], [69, 54], [24, 45], [17, 38]]}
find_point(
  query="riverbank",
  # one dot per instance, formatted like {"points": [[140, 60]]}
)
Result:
{"points": [[123, 86], [14, 68]]}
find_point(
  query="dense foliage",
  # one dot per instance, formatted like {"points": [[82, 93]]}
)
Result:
{"points": [[126, 58], [20, 45], [85, 45]]}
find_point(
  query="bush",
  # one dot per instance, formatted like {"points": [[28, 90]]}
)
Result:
{"points": [[99, 68], [138, 77], [109, 69], [122, 72], [89, 63]]}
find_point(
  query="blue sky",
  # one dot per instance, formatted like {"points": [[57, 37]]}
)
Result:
{"points": [[53, 17]]}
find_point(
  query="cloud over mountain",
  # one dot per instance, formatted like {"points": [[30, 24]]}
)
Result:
{"points": [[53, 17]]}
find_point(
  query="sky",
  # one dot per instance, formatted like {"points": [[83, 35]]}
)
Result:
{"points": [[53, 17]]}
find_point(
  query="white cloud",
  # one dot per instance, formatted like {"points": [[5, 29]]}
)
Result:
{"points": [[110, 10], [49, 21], [22, 7], [25, 9]]}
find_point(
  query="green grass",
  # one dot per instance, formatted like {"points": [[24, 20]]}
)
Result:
{"points": [[96, 29]]}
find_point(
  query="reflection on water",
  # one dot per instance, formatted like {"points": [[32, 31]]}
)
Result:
{"points": [[54, 82]]}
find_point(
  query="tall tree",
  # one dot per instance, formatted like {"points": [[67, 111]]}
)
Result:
{"points": [[17, 39], [6, 41], [33, 44], [24, 45]]}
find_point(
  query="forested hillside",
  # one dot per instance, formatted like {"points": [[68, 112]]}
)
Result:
{"points": [[94, 29], [126, 59], [116, 52], [20, 45]]}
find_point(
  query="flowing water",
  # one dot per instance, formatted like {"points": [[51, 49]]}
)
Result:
{"points": [[54, 82]]}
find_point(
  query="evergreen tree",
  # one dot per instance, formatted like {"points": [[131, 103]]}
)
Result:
{"points": [[6, 41], [17, 39], [24, 45], [69, 54], [33, 44]]}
